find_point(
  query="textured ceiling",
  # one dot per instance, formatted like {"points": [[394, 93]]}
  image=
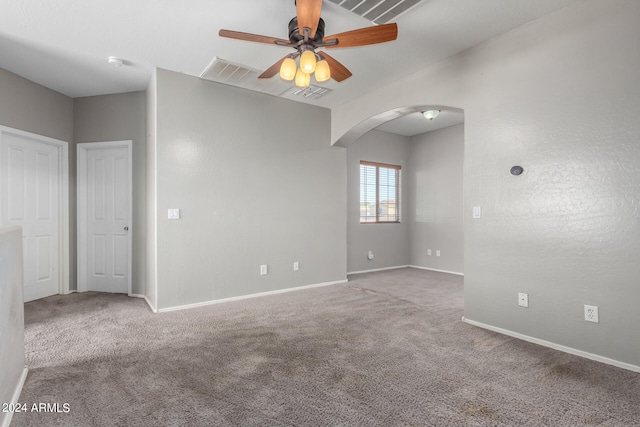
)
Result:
{"points": [[64, 44]]}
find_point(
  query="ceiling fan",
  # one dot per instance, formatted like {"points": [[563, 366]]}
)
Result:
{"points": [[306, 34]]}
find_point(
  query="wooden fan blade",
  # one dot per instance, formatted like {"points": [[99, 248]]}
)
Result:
{"points": [[273, 70], [365, 36], [338, 71], [250, 37], [308, 12]]}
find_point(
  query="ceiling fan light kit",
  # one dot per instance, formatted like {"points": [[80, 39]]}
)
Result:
{"points": [[319, 68], [306, 34]]}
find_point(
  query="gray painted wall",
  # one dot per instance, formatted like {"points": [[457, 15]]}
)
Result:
{"points": [[559, 96], [11, 316], [257, 182], [34, 108], [388, 242], [436, 200], [115, 118]]}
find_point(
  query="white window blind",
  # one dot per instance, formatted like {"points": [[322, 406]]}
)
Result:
{"points": [[379, 192]]}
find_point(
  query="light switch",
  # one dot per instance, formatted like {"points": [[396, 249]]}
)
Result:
{"points": [[477, 212], [173, 213]]}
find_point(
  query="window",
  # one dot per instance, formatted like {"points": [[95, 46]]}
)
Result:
{"points": [[379, 193]]}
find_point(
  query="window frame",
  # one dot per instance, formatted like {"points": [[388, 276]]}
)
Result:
{"points": [[398, 213]]}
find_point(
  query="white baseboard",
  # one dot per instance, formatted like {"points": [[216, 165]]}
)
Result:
{"points": [[241, 297], [146, 299], [378, 269], [15, 398], [555, 346], [151, 306], [435, 269]]}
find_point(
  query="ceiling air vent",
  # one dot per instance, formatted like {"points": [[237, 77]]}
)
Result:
{"points": [[223, 71], [377, 11], [311, 92]]}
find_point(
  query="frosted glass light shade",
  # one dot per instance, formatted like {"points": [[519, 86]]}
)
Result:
{"points": [[323, 73], [288, 69], [308, 61], [431, 114], [302, 79]]}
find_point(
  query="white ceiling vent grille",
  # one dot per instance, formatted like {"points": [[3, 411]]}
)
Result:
{"points": [[377, 11], [311, 92], [223, 71]]}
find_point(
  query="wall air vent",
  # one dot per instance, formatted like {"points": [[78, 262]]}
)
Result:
{"points": [[377, 11], [311, 92], [223, 71]]}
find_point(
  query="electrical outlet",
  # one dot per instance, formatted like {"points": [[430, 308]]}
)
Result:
{"points": [[296, 266], [437, 252], [429, 252], [591, 313], [523, 299], [263, 270]]}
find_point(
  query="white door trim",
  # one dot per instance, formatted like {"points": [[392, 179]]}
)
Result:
{"points": [[82, 151], [64, 225]]}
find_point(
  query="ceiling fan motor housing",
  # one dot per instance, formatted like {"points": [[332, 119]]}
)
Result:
{"points": [[294, 32]]}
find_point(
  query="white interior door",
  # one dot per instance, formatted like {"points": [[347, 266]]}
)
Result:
{"points": [[31, 199], [105, 194]]}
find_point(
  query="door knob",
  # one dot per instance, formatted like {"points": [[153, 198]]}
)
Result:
{"points": [[126, 229]]}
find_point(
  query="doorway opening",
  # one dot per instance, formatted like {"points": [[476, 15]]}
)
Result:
{"points": [[429, 156]]}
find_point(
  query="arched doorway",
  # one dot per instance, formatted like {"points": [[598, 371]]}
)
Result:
{"points": [[429, 155]]}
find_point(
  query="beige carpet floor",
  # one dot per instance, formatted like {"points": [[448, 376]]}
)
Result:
{"points": [[385, 349]]}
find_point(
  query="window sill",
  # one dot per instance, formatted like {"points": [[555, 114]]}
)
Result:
{"points": [[381, 222]]}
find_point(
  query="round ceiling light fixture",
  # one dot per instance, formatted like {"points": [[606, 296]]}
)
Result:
{"points": [[430, 114], [115, 61]]}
